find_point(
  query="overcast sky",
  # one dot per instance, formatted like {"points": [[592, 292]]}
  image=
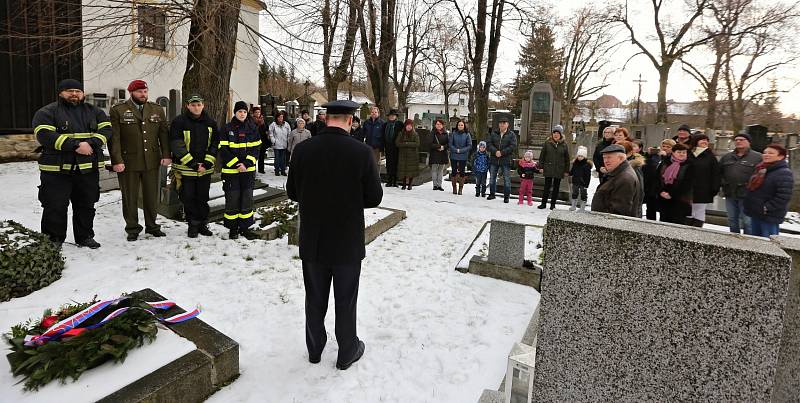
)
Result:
{"points": [[682, 87]]}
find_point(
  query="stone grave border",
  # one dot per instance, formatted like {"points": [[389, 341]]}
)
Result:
{"points": [[481, 266], [370, 233], [191, 378]]}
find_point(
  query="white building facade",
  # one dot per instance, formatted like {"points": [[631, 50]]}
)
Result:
{"points": [[433, 102], [153, 48]]}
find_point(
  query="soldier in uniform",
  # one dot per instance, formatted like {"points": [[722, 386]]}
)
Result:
{"points": [[72, 134], [193, 140], [140, 146], [334, 178]]}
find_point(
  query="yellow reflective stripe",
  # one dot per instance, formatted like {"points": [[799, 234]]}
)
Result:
{"points": [[49, 168], [209, 138], [254, 143], [86, 165], [210, 158], [186, 158], [232, 162], [248, 215], [224, 143], [231, 216], [242, 145], [43, 127], [100, 136], [236, 171], [251, 158], [103, 124], [187, 138], [60, 141]]}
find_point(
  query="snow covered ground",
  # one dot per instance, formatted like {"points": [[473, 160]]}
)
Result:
{"points": [[432, 334]]}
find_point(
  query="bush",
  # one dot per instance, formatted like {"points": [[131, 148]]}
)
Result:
{"points": [[28, 261]]}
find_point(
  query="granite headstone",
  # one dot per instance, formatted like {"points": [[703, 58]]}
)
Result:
{"points": [[506, 243]]}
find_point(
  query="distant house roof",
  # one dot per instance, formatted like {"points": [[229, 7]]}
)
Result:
{"points": [[611, 114], [677, 108], [358, 97], [434, 98]]}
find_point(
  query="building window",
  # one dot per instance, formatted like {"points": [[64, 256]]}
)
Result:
{"points": [[461, 101], [152, 28]]}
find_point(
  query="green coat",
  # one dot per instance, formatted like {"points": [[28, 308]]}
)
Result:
{"points": [[140, 139], [554, 158], [408, 156]]}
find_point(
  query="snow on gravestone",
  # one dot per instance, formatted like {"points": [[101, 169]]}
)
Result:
{"points": [[702, 316], [507, 243]]}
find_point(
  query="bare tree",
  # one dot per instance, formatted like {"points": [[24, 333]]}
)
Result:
{"points": [[378, 43], [589, 42], [446, 60], [331, 14], [413, 51], [674, 42], [735, 19]]}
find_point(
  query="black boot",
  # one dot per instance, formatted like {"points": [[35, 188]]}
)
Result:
{"points": [[193, 231], [204, 231], [233, 234], [505, 199], [543, 205], [491, 196], [248, 234], [88, 243]]}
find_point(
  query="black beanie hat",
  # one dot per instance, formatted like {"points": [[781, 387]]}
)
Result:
{"points": [[69, 84], [240, 105]]}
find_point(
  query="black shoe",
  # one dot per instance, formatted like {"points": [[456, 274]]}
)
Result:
{"points": [[542, 206], [156, 233], [403, 187], [88, 243], [132, 237], [441, 188], [192, 232], [491, 197], [477, 195], [248, 234], [233, 234], [261, 171], [408, 187], [314, 359], [505, 199], [356, 357], [204, 231], [552, 206]]}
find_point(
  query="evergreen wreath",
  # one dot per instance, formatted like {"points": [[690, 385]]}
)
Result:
{"points": [[70, 357]]}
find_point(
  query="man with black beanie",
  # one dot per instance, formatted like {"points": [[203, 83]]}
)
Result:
{"points": [[72, 134]]}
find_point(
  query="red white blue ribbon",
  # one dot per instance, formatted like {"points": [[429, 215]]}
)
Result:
{"points": [[69, 326]]}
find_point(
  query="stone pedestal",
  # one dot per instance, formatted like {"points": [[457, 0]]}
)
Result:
{"points": [[704, 316], [507, 243]]}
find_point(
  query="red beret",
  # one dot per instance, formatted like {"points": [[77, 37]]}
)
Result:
{"points": [[137, 85]]}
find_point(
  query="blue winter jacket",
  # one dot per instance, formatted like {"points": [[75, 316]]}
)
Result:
{"points": [[770, 201], [373, 132], [460, 144]]}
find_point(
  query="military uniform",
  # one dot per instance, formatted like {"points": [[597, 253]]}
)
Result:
{"points": [[141, 140], [194, 142], [332, 203], [67, 176], [239, 143]]}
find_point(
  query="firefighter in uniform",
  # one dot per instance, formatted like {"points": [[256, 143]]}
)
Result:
{"points": [[72, 134], [334, 178], [140, 146], [193, 141], [239, 146]]}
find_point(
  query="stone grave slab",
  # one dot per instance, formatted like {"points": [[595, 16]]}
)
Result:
{"points": [[703, 316], [507, 243], [371, 232], [191, 378]]}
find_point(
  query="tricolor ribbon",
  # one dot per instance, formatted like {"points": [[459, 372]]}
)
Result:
{"points": [[68, 327]]}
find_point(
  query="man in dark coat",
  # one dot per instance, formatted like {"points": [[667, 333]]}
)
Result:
{"points": [[618, 194], [318, 124], [141, 146], [502, 147], [736, 168], [684, 135], [333, 177], [390, 130], [373, 133]]}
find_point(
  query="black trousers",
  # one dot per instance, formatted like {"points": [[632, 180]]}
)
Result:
{"points": [[238, 200], [392, 161], [262, 153], [317, 278], [551, 188], [194, 196], [56, 192]]}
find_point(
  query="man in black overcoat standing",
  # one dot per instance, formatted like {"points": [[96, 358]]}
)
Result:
{"points": [[334, 178]]}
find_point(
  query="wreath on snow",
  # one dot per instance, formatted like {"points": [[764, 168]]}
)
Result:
{"points": [[80, 336]]}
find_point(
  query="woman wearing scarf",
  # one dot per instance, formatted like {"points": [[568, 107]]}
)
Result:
{"points": [[407, 142], [769, 191], [705, 179], [675, 196], [437, 154]]}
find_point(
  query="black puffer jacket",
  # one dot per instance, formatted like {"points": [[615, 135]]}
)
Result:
{"points": [[439, 156], [581, 172], [705, 183], [239, 142], [770, 201]]}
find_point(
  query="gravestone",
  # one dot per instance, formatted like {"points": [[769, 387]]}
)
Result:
{"points": [[540, 119], [791, 140], [507, 243], [759, 135], [721, 325]]}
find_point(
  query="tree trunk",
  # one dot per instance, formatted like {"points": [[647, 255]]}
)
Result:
{"points": [[711, 107], [212, 47], [663, 77]]}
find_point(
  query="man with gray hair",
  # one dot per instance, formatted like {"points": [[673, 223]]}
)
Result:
{"points": [[619, 193]]}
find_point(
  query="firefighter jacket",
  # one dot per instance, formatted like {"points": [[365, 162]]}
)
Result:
{"points": [[193, 141], [60, 127], [141, 136], [239, 142]]}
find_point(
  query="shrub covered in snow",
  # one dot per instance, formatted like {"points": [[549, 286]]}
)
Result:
{"points": [[28, 261]]}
